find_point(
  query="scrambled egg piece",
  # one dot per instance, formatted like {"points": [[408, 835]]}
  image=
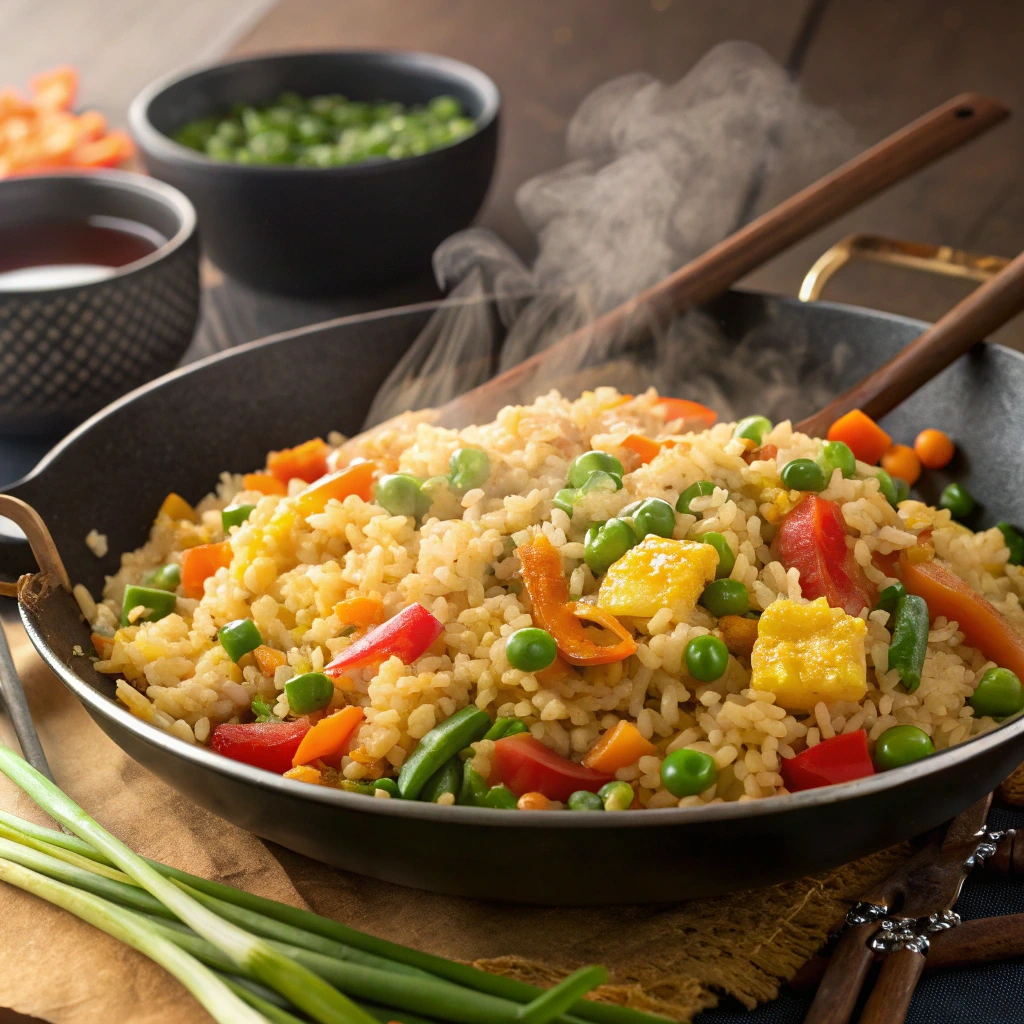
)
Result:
{"points": [[658, 573], [807, 653]]}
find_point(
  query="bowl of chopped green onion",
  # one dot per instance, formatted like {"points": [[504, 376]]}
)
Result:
{"points": [[324, 173]]}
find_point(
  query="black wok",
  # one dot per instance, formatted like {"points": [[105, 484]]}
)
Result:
{"points": [[227, 411]]}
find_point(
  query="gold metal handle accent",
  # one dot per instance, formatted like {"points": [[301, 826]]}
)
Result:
{"points": [[39, 540], [931, 259]]}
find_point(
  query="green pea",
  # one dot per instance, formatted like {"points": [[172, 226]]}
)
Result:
{"points": [[616, 796], [707, 658], [238, 638], [887, 486], [900, 745], [402, 495], [1014, 541], [701, 489], [235, 515], [999, 694], [902, 489], [564, 499], [726, 558], [584, 800], [803, 475], [725, 597], [167, 577], [606, 543], [309, 692], [651, 516], [530, 649], [837, 455], [688, 772], [601, 481], [389, 786], [500, 797], [958, 500], [592, 462], [753, 428], [157, 604], [468, 468]]}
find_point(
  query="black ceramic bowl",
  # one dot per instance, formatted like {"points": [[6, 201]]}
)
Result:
{"points": [[336, 230], [67, 351]]}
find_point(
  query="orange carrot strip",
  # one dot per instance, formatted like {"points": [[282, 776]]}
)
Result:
{"points": [[684, 409], [264, 483], [198, 564], [619, 747], [864, 437], [360, 611], [102, 645], [328, 736], [544, 579], [268, 659], [355, 479], [643, 446], [54, 89], [175, 506], [303, 773], [982, 625], [109, 151], [307, 461]]}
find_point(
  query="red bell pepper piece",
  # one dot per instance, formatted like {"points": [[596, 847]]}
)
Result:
{"points": [[269, 745], [812, 538], [407, 635], [525, 765], [840, 759]]}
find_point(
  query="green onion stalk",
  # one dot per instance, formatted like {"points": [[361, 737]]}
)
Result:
{"points": [[252, 954]]}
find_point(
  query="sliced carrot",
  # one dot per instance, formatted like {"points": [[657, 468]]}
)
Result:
{"points": [[198, 564], [175, 506], [91, 125], [54, 89], [356, 479], [934, 449], [360, 611], [902, 461], [619, 747], [112, 149], [102, 645], [307, 461], [328, 736], [303, 773], [268, 659], [644, 446], [684, 409], [264, 483], [864, 437]]}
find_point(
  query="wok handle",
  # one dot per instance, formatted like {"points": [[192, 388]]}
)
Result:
{"points": [[836, 998], [983, 311], [897, 980], [941, 130], [47, 556]]}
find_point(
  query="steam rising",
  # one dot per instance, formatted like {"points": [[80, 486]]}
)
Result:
{"points": [[656, 175]]}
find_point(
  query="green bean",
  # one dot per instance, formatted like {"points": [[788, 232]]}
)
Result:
{"points": [[240, 637], [1014, 542], [447, 779], [506, 727], [309, 692], [473, 788], [156, 604], [889, 598], [442, 742], [909, 640], [500, 797], [167, 577], [389, 786], [235, 515]]}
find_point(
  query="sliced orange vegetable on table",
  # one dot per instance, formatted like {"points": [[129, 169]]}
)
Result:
{"points": [[198, 564], [934, 449], [114, 148], [645, 447], [269, 660], [983, 626], [902, 461], [544, 578], [862, 435], [307, 461], [265, 483], [355, 479], [684, 409], [328, 736], [619, 747], [54, 89], [360, 611]]}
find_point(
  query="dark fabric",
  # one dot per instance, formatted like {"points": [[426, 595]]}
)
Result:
{"points": [[993, 994]]}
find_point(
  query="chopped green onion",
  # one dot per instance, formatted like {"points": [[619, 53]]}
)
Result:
{"points": [[557, 1000], [263, 710]]}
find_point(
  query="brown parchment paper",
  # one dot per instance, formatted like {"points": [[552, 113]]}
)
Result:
{"points": [[676, 960]]}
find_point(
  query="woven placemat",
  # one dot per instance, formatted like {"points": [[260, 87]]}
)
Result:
{"points": [[674, 959]]}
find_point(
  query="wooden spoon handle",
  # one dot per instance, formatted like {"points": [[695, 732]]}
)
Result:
{"points": [[897, 980], [967, 323], [918, 144]]}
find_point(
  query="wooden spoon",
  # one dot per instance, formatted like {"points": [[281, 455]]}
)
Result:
{"points": [[918, 144]]}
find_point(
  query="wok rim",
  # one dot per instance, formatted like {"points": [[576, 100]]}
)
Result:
{"points": [[205, 759]]}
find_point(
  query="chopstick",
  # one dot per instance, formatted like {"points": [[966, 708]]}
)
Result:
{"points": [[16, 703], [901, 154]]}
